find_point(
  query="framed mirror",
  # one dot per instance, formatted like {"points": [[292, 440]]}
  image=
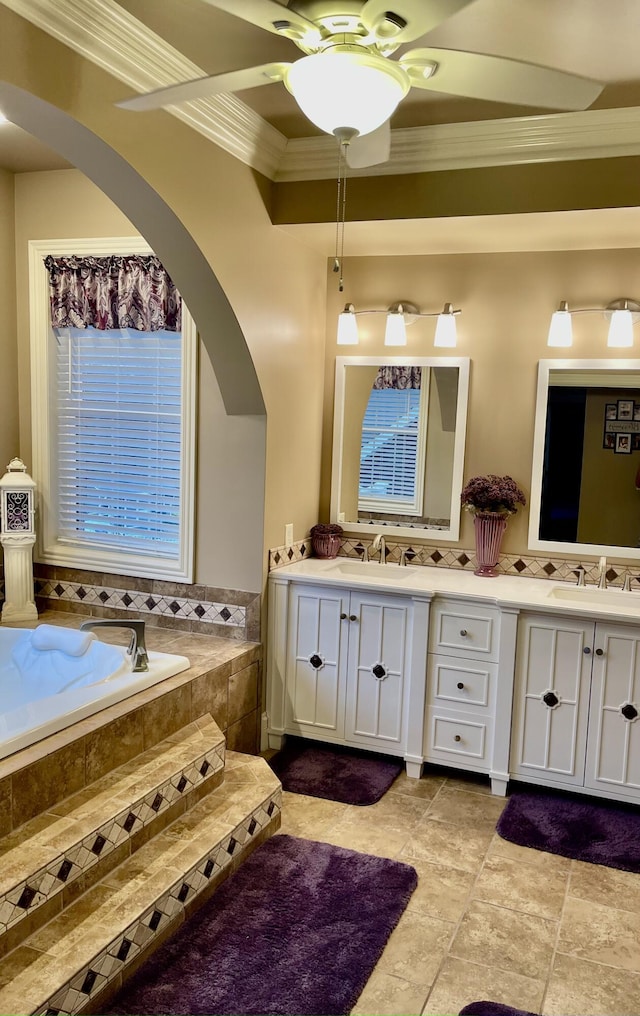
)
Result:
{"points": [[398, 444], [585, 484]]}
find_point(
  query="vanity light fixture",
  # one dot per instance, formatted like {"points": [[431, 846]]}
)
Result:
{"points": [[560, 329], [622, 315], [399, 315], [348, 327], [395, 333]]}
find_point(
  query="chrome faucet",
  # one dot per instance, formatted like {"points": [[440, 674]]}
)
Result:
{"points": [[628, 579], [137, 649], [379, 545], [403, 555], [580, 573], [602, 573]]}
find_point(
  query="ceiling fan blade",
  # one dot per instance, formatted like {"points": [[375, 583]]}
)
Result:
{"points": [[204, 88], [370, 149], [268, 14], [419, 16], [499, 79]]}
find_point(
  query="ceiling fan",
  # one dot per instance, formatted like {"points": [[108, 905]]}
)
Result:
{"points": [[346, 83]]}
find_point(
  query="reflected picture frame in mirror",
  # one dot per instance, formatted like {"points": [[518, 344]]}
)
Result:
{"points": [[593, 509], [444, 393]]}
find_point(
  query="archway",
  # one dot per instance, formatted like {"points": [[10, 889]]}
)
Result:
{"points": [[217, 324]]}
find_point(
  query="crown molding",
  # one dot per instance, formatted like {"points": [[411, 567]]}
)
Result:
{"points": [[553, 137], [110, 37]]}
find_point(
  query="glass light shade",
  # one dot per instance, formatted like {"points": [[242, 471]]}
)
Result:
{"points": [[446, 331], [396, 331], [347, 328], [560, 329], [347, 88], [620, 329]]}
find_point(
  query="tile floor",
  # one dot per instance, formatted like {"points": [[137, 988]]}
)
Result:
{"points": [[489, 919]]}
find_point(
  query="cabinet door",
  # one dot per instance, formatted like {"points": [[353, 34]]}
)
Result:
{"points": [[613, 753], [378, 642], [553, 674], [316, 661]]}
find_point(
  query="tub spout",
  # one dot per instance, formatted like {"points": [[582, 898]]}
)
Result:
{"points": [[137, 649]]}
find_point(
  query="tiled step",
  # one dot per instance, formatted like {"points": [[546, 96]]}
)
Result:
{"points": [[78, 960], [49, 861]]}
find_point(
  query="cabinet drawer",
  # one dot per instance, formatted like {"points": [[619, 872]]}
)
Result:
{"points": [[458, 738], [456, 683], [464, 630]]}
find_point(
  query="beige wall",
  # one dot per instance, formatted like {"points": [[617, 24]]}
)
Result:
{"points": [[9, 442], [275, 286], [506, 302]]}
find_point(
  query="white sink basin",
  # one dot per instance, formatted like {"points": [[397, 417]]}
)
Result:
{"points": [[372, 569], [596, 597]]}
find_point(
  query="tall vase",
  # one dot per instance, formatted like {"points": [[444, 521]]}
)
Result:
{"points": [[489, 529]]}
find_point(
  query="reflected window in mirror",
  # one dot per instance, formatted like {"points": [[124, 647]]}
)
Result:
{"points": [[399, 443], [586, 462]]}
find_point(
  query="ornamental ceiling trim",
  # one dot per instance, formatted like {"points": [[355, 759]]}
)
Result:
{"points": [[110, 37]]}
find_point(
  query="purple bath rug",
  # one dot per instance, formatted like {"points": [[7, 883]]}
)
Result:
{"points": [[598, 832], [492, 1009], [296, 930], [336, 774]]}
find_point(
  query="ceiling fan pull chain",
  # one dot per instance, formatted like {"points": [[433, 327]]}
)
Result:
{"points": [[340, 207], [343, 154]]}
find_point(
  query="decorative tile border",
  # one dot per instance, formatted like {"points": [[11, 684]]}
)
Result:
{"points": [[94, 978], [441, 556], [40, 886], [178, 607], [280, 556]]}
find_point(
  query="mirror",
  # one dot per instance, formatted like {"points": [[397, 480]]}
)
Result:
{"points": [[398, 444], [585, 484]]}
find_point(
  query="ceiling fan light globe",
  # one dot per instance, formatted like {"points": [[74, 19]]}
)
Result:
{"points": [[347, 88]]}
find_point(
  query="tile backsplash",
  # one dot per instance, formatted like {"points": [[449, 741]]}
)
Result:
{"points": [[441, 556]]}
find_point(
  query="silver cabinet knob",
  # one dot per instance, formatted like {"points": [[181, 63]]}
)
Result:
{"points": [[463, 632], [460, 685], [457, 737]]}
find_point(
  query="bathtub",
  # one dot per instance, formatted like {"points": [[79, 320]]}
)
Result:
{"points": [[44, 692]]}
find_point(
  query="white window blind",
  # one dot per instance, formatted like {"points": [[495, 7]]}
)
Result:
{"points": [[390, 450], [119, 413]]}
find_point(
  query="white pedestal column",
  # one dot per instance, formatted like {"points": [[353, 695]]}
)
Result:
{"points": [[19, 603]]}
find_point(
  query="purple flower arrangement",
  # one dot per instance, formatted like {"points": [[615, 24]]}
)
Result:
{"points": [[492, 495]]}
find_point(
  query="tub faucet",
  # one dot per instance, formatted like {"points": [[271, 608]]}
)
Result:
{"points": [[602, 573], [137, 649], [379, 544]]}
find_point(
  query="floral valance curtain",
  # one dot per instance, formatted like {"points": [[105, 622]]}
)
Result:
{"points": [[398, 377], [119, 291]]}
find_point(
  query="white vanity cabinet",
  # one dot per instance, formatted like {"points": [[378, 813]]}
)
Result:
{"points": [[346, 666], [470, 659], [577, 701]]}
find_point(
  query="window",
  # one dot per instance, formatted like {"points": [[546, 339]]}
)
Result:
{"points": [[392, 454], [113, 427]]}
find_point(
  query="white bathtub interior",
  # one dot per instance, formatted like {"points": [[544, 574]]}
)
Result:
{"points": [[42, 691]]}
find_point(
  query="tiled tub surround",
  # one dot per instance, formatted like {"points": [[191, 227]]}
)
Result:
{"points": [[76, 835], [223, 680], [441, 556], [198, 608], [115, 830], [93, 932]]}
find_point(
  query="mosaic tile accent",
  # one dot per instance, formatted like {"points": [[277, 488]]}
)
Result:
{"points": [[142, 603], [280, 556], [107, 964], [441, 556], [44, 883]]}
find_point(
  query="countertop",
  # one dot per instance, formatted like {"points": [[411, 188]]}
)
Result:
{"points": [[502, 591]]}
